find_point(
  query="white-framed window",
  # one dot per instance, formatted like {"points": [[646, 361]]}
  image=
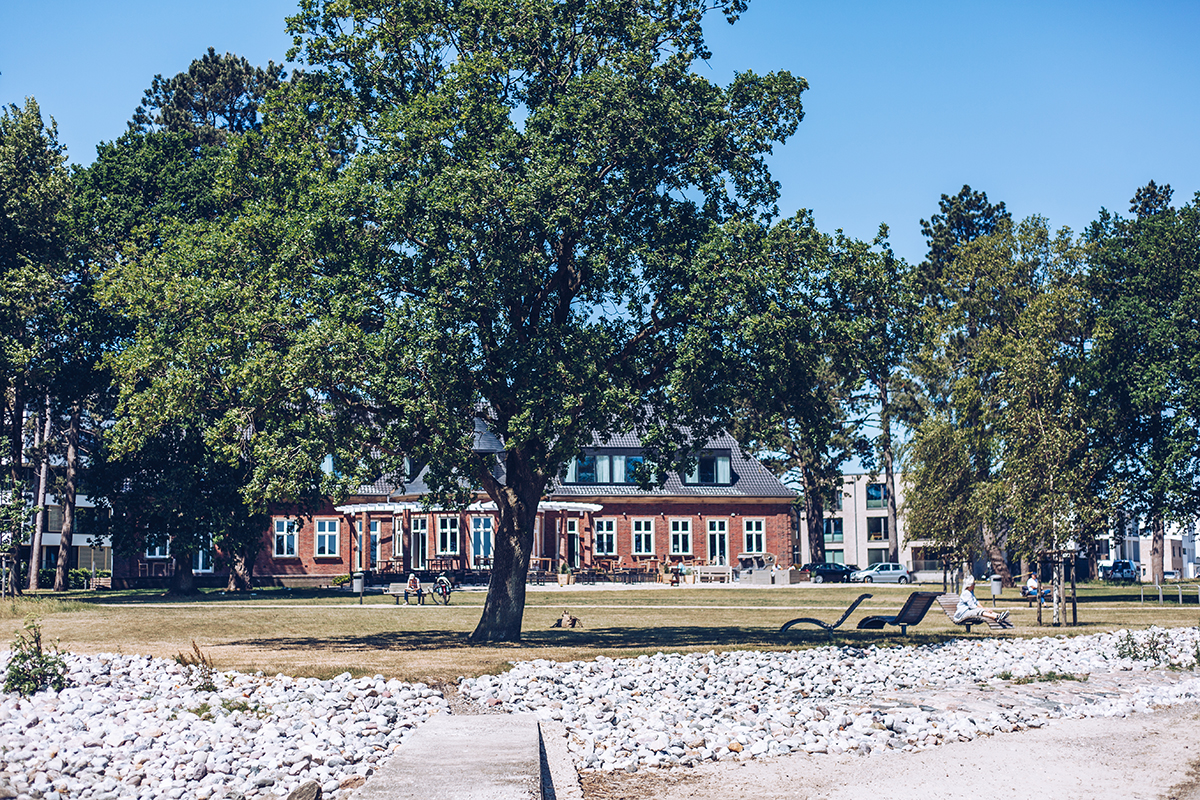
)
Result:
{"points": [[643, 537], [326, 537], [285, 538], [603, 468], [158, 548], [419, 534], [755, 542], [606, 537], [681, 537], [371, 546], [447, 536], [711, 468], [202, 559], [481, 539]]}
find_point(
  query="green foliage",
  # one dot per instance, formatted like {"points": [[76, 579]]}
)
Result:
{"points": [[31, 667], [533, 227], [216, 97], [340, 580]]}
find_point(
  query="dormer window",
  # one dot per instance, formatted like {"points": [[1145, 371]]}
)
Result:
{"points": [[593, 467], [711, 469]]}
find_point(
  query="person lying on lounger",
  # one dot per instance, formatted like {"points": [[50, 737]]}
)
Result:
{"points": [[969, 610]]}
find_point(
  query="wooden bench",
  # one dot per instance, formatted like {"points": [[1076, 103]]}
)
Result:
{"points": [[102, 583], [913, 612], [713, 574], [949, 603], [397, 590]]}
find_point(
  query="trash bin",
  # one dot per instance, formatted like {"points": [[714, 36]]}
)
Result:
{"points": [[997, 586], [357, 585]]}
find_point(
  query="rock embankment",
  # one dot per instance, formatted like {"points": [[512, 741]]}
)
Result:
{"points": [[133, 726], [682, 709]]}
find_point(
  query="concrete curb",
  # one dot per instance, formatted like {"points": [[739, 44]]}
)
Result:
{"points": [[560, 781]]}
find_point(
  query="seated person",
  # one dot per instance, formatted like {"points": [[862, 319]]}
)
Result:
{"points": [[1030, 589], [414, 588], [969, 610]]}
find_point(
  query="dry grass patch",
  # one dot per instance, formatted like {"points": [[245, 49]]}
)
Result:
{"points": [[322, 634]]}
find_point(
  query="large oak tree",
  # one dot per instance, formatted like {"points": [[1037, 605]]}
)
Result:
{"points": [[509, 211]]}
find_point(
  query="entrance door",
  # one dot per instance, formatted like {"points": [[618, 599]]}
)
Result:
{"points": [[573, 550], [420, 542], [718, 542]]}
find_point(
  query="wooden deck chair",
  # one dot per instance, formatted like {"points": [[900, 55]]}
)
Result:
{"points": [[949, 602], [913, 612], [828, 628]]}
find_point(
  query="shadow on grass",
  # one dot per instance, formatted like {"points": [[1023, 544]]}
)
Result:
{"points": [[601, 640]]}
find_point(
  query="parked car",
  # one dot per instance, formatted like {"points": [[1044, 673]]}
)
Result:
{"points": [[885, 572], [1170, 575], [830, 573], [1123, 571]]}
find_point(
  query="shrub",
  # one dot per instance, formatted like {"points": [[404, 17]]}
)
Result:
{"points": [[200, 668], [340, 580], [31, 667]]}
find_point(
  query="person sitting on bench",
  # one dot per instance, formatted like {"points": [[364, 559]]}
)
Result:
{"points": [[969, 609], [414, 587]]}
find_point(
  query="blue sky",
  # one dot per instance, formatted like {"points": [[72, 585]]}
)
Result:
{"points": [[1056, 108]]}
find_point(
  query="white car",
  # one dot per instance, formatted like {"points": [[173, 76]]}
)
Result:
{"points": [[885, 572]]}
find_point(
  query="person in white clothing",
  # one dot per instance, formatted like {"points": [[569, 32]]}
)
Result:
{"points": [[969, 610]]}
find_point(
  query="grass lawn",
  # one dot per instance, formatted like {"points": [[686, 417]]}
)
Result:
{"points": [[323, 633]]}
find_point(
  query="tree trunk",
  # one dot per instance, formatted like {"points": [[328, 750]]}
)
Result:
{"points": [[1157, 542], [241, 570], [996, 556], [183, 581], [516, 506], [39, 526], [68, 500], [814, 516], [16, 434], [889, 472]]}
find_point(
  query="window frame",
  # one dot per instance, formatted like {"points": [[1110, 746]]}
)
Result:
{"points": [[445, 530], [879, 502], [644, 535], [884, 535], [157, 552], [760, 534], [835, 530], [692, 477], [289, 531], [605, 529], [321, 537], [680, 529]]}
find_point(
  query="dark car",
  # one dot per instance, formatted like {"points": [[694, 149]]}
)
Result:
{"points": [[830, 573]]}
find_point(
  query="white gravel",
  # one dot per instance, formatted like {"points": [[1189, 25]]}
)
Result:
{"points": [[133, 726], [664, 710]]}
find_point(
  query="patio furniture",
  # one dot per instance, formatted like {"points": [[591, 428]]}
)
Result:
{"points": [[828, 628], [913, 611]]}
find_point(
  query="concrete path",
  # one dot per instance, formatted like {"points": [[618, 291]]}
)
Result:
{"points": [[478, 757]]}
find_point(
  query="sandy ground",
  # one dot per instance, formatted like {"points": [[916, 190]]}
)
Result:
{"points": [[1152, 756]]}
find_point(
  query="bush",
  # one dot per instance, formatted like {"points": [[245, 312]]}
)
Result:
{"points": [[32, 668], [46, 578], [340, 580]]}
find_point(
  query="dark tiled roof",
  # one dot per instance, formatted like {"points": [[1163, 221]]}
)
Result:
{"points": [[751, 479]]}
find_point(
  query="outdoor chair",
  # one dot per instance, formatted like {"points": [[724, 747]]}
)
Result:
{"points": [[828, 628], [913, 612], [949, 602]]}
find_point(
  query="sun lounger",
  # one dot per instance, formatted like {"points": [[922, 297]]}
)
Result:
{"points": [[913, 612], [949, 603], [828, 628]]}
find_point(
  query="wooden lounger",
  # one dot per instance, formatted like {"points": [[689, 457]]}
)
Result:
{"points": [[828, 628], [913, 612], [949, 602]]}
